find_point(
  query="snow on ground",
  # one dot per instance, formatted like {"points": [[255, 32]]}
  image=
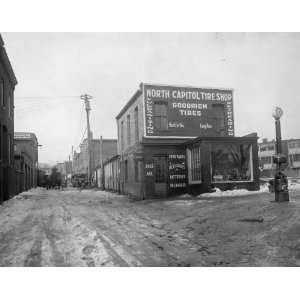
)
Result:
{"points": [[235, 193], [293, 186], [230, 193], [91, 192]]}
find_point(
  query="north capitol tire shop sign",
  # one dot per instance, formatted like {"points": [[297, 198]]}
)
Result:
{"points": [[174, 111]]}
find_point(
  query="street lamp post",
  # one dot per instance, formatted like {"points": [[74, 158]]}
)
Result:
{"points": [[280, 179]]}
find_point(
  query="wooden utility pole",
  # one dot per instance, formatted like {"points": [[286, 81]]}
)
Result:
{"points": [[72, 155], [101, 163], [86, 99]]}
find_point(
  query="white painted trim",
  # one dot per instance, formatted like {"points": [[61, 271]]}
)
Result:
{"points": [[144, 109]]}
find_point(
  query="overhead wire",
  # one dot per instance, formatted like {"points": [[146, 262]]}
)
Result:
{"points": [[46, 97]]}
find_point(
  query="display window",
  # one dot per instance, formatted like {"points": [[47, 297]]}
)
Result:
{"points": [[231, 162]]}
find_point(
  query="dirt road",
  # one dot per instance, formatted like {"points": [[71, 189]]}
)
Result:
{"points": [[96, 228]]}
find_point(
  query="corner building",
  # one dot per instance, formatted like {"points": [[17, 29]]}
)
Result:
{"points": [[8, 82], [176, 139]]}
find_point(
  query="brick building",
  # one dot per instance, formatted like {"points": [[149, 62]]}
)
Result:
{"points": [[65, 169], [80, 159], [290, 148], [293, 146], [8, 82], [26, 160], [102, 149], [174, 139]]}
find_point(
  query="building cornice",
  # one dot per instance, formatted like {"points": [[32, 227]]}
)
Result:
{"points": [[127, 105], [6, 63]]}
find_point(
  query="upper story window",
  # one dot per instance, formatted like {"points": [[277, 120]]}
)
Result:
{"points": [[2, 101], [218, 118], [9, 105], [266, 160], [122, 135], [160, 115], [136, 123], [295, 158], [128, 130], [294, 145], [267, 148]]}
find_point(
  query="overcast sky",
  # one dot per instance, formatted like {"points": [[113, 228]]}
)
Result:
{"points": [[263, 70]]}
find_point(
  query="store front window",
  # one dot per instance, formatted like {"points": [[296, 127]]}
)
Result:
{"points": [[231, 162]]}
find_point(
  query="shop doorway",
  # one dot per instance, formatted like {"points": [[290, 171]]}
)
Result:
{"points": [[160, 175]]}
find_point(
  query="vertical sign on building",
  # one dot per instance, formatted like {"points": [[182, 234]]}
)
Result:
{"points": [[177, 171]]}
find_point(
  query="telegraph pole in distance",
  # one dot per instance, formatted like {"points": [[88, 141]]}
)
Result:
{"points": [[86, 99]]}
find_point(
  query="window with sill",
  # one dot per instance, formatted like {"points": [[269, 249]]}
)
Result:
{"points": [[160, 115]]}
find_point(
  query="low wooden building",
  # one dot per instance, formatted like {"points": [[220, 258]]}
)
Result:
{"points": [[112, 174]]}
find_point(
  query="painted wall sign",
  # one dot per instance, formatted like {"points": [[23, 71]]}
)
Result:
{"points": [[174, 111], [177, 171]]}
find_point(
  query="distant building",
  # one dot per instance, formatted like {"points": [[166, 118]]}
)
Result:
{"points": [[290, 148], [294, 156], [80, 159], [65, 169], [45, 168], [61, 168], [8, 82], [26, 160], [102, 149]]}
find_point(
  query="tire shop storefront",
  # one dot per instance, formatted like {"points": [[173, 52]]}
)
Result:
{"points": [[174, 140], [199, 165]]}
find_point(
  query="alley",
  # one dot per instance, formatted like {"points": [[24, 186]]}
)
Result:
{"points": [[96, 228]]}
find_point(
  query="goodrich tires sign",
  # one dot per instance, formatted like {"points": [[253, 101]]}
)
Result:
{"points": [[176, 111]]}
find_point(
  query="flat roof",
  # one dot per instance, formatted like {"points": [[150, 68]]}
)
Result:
{"points": [[186, 86], [222, 138], [25, 136]]}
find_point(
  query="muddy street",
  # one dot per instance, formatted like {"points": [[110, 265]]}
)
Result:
{"points": [[96, 228]]}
